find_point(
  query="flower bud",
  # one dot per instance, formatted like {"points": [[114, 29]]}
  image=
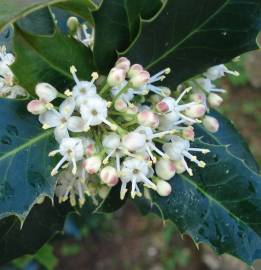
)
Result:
{"points": [[188, 133], [180, 167], [148, 119], [155, 99], [116, 77], [109, 176], [163, 188], [165, 105], [46, 92], [211, 124], [92, 164], [140, 79], [165, 168], [123, 63], [196, 111], [134, 141], [198, 97], [120, 105], [214, 100], [111, 140], [134, 70], [73, 24], [36, 107], [166, 91]]}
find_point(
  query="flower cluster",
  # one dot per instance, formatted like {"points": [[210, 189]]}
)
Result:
{"points": [[127, 129], [7, 87]]}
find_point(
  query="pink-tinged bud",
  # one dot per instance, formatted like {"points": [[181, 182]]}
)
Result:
{"points": [[73, 24], [140, 79], [134, 141], [163, 188], [109, 176], [120, 105], [196, 111], [198, 97], [180, 167], [92, 164], [123, 63], [116, 77], [214, 100], [165, 105], [188, 133], [90, 149], [148, 119], [165, 168], [135, 70], [36, 107], [211, 124]]}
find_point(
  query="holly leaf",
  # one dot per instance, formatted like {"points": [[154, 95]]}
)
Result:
{"points": [[13, 10], [190, 36], [24, 163], [43, 222], [48, 59], [116, 25], [229, 136]]}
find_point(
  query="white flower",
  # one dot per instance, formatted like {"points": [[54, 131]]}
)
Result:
{"points": [[171, 108], [46, 93], [203, 84], [127, 96], [72, 151], [135, 171], [6, 58], [72, 187], [94, 112], [179, 148], [218, 71], [149, 86], [63, 120]]}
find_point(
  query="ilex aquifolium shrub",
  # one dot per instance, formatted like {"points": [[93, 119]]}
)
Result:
{"points": [[119, 101]]}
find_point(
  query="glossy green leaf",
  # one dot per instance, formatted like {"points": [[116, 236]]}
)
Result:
{"points": [[190, 36], [43, 222], [24, 163], [80, 8], [116, 25], [39, 22], [219, 205], [229, 136], [13, 10], [48, 59]]}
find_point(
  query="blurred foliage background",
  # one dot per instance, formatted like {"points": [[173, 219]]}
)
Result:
{"points": [[126, 240]]}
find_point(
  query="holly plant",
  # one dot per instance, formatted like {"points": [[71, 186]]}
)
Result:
{"points": [[115, 100]]}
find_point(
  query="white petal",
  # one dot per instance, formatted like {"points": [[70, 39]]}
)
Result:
{"points": [[67, 107], [75, 124], [60, 133], [50, 118], [46, 92]]}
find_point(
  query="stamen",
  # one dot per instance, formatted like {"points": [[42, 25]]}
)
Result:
{"points": [[153, 158], [73, 71], [68, 93], [57, 167], [106, 160], [186, 91], [108, 123], [123, 190], [53, 153]]}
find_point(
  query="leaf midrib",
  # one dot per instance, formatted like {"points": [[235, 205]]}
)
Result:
{"points": [[28, 144], [164, 55]]}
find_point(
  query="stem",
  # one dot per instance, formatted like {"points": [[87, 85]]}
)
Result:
{"points": [[104, 89]]}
